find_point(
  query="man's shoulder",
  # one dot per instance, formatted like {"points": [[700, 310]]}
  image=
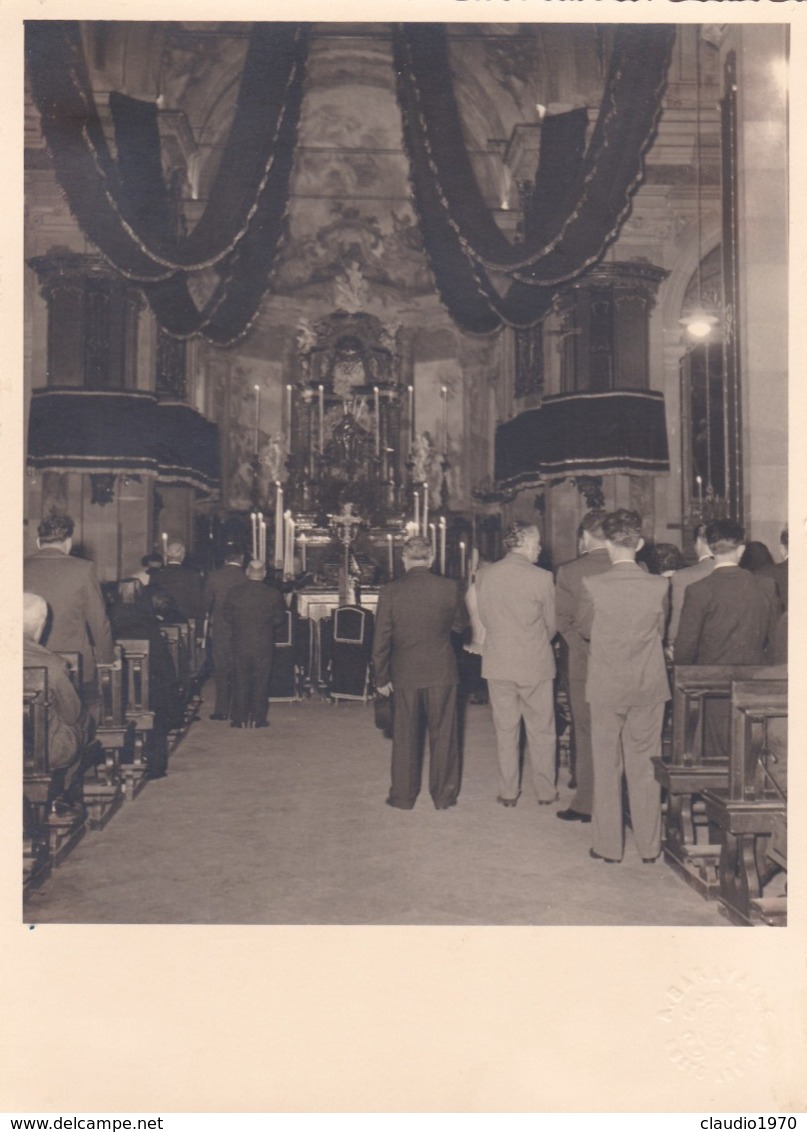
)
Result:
{"points": [[689, 575]]}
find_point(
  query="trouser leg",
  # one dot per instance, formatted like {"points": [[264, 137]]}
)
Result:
{"points": [[538, 710], [222, 661], [606, 749], [641, 742], [262, 672], [406, 747], [506, 711], [444, 751], [584, 772], [240, 688]]}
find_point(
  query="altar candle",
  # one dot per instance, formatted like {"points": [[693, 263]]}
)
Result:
{"points": [[433, 535], [699, 482], [303, 541], [390, 560], [288, 418], [425, 508], [288, 565], [278, 525], [462, 559], [257, 414], [417, 512], [260, 528], [321, 417], [411, 398], [442, 545], [377, 421], [253, 518], [445, 419], [164, 538]]}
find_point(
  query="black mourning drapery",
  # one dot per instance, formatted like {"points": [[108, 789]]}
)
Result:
{"points": [[569, 229], [123, 206]]}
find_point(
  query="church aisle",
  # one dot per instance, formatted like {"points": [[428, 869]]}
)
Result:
{"points": [[289, 826]]}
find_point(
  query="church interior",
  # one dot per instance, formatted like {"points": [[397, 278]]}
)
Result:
{"points": [[307, 289]]}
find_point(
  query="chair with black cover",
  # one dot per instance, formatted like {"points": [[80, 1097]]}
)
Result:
{"points": [[283, 683], [350, 656]]}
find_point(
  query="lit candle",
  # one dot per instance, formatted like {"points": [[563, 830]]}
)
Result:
{"points": [[303, 541], [699, 482], [288, 418], [433, 535], [321, 417], [164, 538], [288, 558], [257, 414], [417, 512], [462, 559], [377, 421], [411, 399], [390, 561], [425, 508], [278, 525], [442, 544], [445, 419], [260, 527]]}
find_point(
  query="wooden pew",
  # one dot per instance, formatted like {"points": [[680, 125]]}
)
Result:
{"points": [[686, 769], [47, 835], [137, 712], [751, 811], [104, 791]]}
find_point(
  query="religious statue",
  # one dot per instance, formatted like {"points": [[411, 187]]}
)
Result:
{"points": [[422, 455], [350, 289], [348, 366], [272, 458]]}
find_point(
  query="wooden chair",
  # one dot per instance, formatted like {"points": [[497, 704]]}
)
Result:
{"points": [[104, 791], [751, 811], [687, 768], [136, 710]]}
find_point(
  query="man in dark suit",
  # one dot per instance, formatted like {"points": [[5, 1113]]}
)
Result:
{"points": [[413, 654], [594, 559], [730, 617], [183, 584], [685, 577], [623, 613], [252, 613], [217, 586], [70, 587]]}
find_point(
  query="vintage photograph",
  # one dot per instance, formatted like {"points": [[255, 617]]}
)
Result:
{"points": [[416, 395]]}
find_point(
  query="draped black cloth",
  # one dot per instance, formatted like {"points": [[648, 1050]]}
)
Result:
{"points": [[124, 206], [584, 434], [577, 208]]}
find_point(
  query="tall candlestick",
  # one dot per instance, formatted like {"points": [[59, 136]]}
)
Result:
{"points": [[303, 542], [442, 544], [377, 421], [699, 482], [425, 509], [321, 417], [253, 518], [417, 511], [433, 536], [257, 415], [164, 538], [462, 559], [260, 528], [445, 419], [390, 560], [278, 526], [288, 418], [411, 399]]}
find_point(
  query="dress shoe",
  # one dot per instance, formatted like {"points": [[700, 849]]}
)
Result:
{"points": [[397, 805], [595, 856], [218, 715], [506, 801], [650, 860], [446, 805], [548, 801], [573, 815], [234, 724], [265, 723]]}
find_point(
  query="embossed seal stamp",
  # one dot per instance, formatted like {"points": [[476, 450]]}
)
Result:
{"points": [[717, 1022]]}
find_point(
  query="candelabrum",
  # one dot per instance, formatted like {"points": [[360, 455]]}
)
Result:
{"points": [[445, 468]]}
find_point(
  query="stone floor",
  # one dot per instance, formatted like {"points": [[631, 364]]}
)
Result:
{"points": [[289, 826]]}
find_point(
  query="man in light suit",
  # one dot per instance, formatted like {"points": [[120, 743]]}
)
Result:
{"points": [[594, 559], [70, 587], [685, 577], [413, 655], [623, 613], [517, 609]]}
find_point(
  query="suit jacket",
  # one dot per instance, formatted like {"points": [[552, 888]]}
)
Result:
{"points": [[623, 613], [415, 618], [67, 723], [185, 587], [252, 613], [78, 620], [728, 618], [517, 608], [679, 582], [217, 586], [568, 591]]}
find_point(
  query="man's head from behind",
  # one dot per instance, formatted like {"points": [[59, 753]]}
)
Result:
{"points": [[590, 533], [726, 539], [417, 551], [34, 615], [56, 531], [523, 538], [256, 571], [623, 534], [175, 552]]}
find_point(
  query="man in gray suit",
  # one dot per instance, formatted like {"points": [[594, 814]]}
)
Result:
{"points": [[413, 654], [517, 609], [623, 613], [594, 559], [683, 578]]}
